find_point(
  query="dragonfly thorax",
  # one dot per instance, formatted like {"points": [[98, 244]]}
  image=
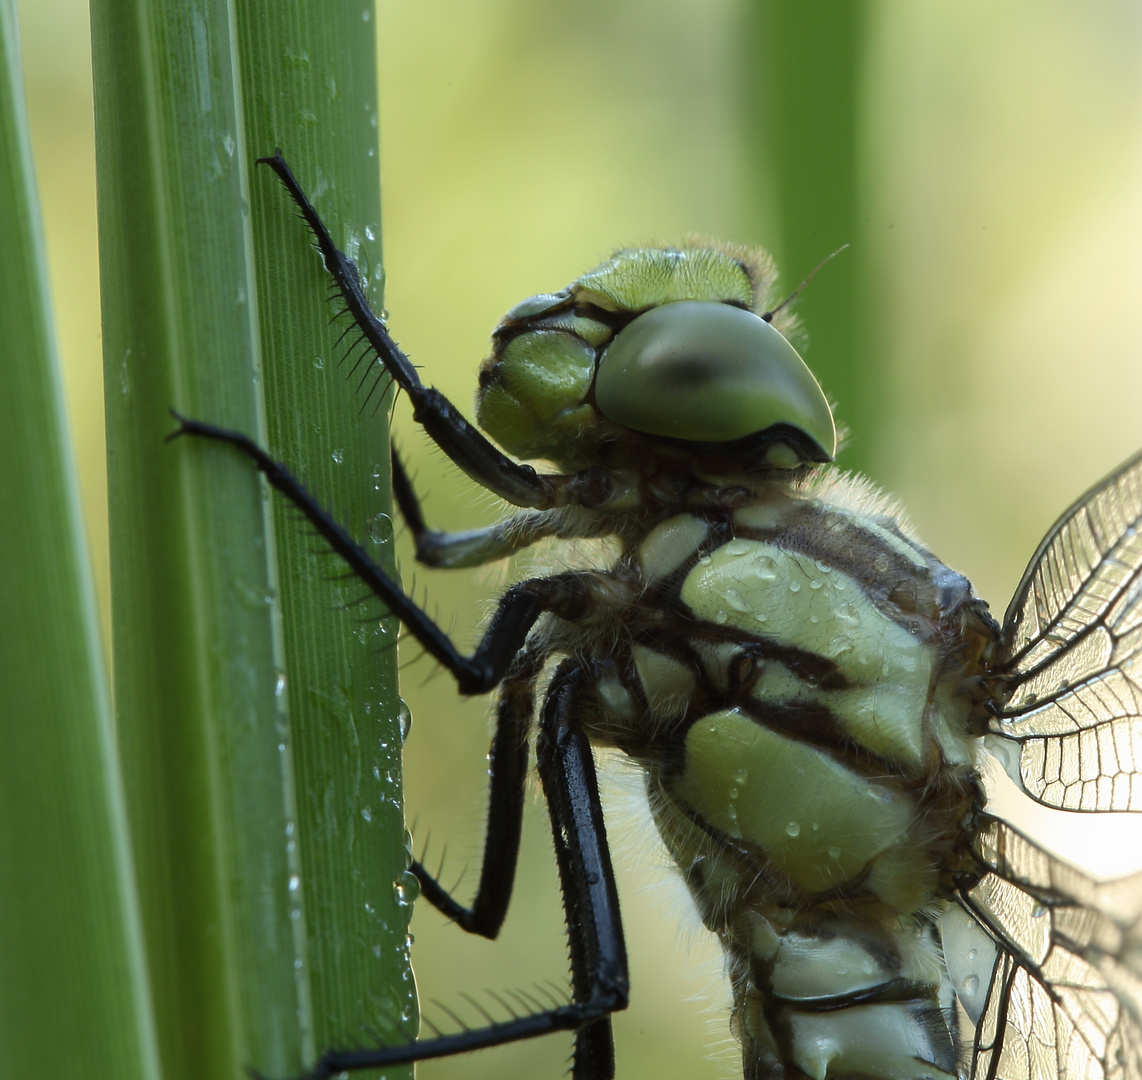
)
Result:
{"points": [[796, 680]]}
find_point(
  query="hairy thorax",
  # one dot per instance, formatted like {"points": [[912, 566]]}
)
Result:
{"points": [[801, 682]]}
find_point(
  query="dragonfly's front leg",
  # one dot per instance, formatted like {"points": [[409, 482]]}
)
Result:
{"points": [[472, 547], [445, 425]]}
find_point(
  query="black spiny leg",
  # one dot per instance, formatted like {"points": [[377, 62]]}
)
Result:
{"points": [[507, 777], [566, 767], [567, 595], [518, 484], [599, 974], [590, 904]]}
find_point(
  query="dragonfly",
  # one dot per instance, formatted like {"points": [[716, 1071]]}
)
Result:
{"points": [[810, 694]]}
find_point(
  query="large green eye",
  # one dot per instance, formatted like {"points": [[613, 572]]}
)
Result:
{"points": [[709, 372]]}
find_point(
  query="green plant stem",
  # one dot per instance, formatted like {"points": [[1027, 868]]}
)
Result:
{"points": [[803, 88], [256, 711], [73, 984]]}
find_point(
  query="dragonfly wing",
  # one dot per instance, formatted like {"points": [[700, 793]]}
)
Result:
{"points": [[1065, 1000], [1071, 654]]}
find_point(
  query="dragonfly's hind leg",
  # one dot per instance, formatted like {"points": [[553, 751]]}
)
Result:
{"points": [[599, 975]]}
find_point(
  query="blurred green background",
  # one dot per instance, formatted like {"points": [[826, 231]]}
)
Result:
{"points": [[982, 341]]}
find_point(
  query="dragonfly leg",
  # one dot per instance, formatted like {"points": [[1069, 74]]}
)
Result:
{"points": [[507, 771], [568, 595], [599, 973], [472, 547], [460, 440]]}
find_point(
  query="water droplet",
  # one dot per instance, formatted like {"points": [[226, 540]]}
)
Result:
{"points": [[792, 829], [741, 776], [406, 889], [794, 586], [736, 600], [406, 1013], [761, 617], [369, 234], [366, 813], [815, 583], [705, 560], [971, 985], [765, 569], [1038, 910], [814, 619], [338, 456], [846, 613], [404, 719], [280, 684], [834, 853], [294, 882], [319, 362], [380, 528], [720, 616]]}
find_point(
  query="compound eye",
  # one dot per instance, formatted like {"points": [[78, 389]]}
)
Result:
{"points": [[710, 372]]}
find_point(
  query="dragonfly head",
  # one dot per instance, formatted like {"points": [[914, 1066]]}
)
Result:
{"points": [[658, 343]]}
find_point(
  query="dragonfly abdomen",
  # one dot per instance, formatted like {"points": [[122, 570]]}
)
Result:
{"points": [[825, 996]]}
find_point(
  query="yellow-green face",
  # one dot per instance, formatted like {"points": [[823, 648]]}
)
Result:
{"points": [[669, 343]]}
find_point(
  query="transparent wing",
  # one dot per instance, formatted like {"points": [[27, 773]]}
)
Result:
{"points": [[1065, 1000], [1070, 650]]}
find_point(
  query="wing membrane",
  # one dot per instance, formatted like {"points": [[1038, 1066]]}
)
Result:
{"points": [[1071, 649], [1065, 1001]]}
